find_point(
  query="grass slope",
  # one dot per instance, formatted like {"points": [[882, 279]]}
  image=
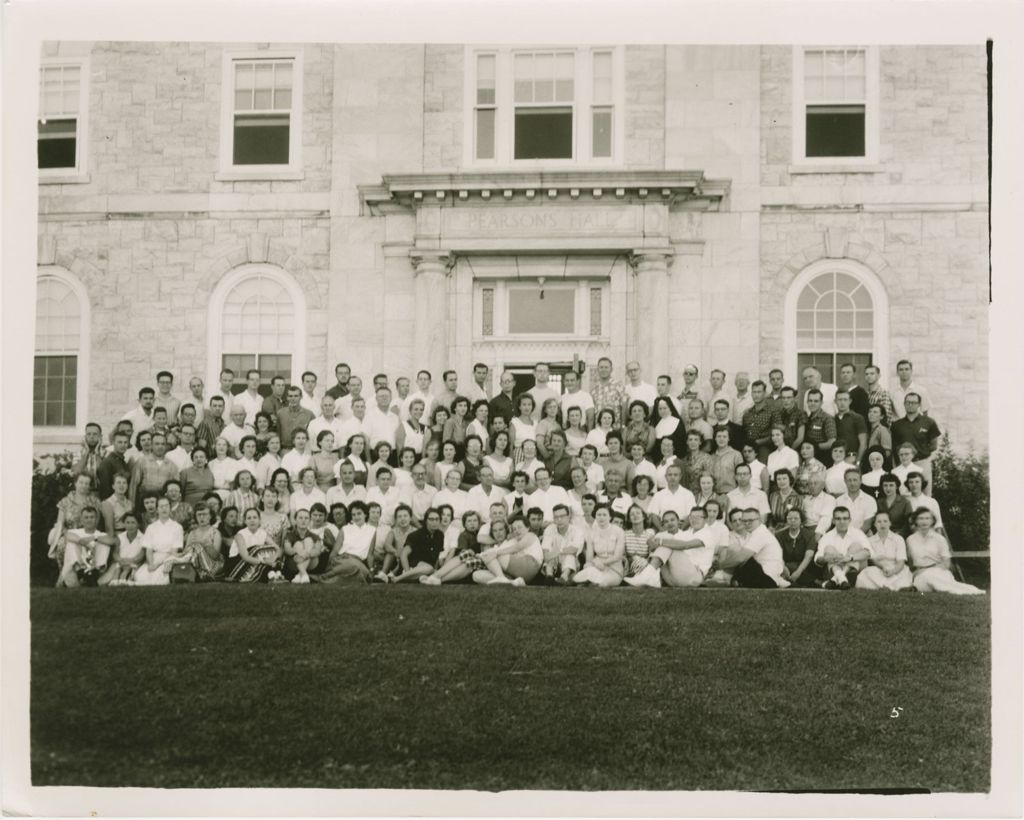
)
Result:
{"points": [[509, 689]]}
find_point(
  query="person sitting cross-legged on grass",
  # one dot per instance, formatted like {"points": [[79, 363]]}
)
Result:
{"points": [[465, 558], [931, 559], [680, 558], [258, 554], [563, 543], [606, 552], [302, 547], [753, 556], [350, 558], [421, 550], [888, 568], [843, 551], [515, 559]]}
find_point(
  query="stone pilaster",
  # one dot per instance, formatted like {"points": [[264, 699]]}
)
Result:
{"points": [[432, 268], [651, 266]]}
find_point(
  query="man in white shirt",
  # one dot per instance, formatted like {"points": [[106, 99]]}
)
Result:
{"points": [[716, 390], [477, 389], [862, 506], [766, 549], [346, 491], [326, 421], [818, 507], [384, 494], [481, 496], [423, 380], [637, 389], [743, 400], [812, 381], [541, 390], [181, 455], [250, 398], [380, 423], [450, 379], [574, 397], [401, 394], [420, 496], [663, 386], [673, 497], [906, 384], [355, 423], [236, 430], [843, 551], [142, 416], [343, 406], [613, 494], [744, 496], [310, 395], [563, 543], [679, 559], [227, 381], [546, 496], [498, 513]]}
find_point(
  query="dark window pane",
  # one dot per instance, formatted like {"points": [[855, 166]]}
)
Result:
{"points": [[56, 389], [37, 413], [269, 365], [261, 140], [56, 146], [543, 133], [829, 363], [835, 130]]}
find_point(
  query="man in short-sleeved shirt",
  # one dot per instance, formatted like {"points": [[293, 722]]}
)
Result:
{"points": [[906, 385], [746, 497], [673, 497], [292, 417], [637, 389], [917, 428], [541, 390], [608, 393], [575, 397], [851, 427], [820, 428]]}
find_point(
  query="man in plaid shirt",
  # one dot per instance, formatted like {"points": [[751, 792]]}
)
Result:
{"points": [[608, 393], [878, 394]]}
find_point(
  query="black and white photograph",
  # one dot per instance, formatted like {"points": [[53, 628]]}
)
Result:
{"points": [[479, 412]]}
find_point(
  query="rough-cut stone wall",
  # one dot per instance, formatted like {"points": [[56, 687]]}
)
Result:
{"points": [[918, 220], [442, 104], [645, 80]]}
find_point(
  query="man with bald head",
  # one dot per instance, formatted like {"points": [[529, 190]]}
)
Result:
{"points": [[744, 400], [812, 381], [503, 404], [234, 432]]}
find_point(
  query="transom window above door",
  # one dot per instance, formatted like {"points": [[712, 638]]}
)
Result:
{"points": [[530, 308], [549, 107]]}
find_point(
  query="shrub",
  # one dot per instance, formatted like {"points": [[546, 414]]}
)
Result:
{"points": [[961, 486], [52, 479]]}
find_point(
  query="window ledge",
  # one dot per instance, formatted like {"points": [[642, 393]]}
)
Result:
{"points": [[259, 176], [838, 168], [56, 436], [70, 178]]}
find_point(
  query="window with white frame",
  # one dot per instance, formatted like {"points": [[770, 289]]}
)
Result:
{"points": [[552, 106], [62, 106], [261, 130], [835, 324], [531, 308], [835, 104], [59, 377], [257, 320]]}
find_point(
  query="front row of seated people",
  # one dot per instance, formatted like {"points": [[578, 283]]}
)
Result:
{"points": [[603, 548]]}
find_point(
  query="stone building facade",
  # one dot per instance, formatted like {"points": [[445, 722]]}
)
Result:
{"points": [[669, 212]]}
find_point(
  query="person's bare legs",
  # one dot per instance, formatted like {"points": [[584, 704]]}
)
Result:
{"points": [[414, 573]]}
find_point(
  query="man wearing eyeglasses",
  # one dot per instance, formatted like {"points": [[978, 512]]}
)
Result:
{"points": [[690, 389]]}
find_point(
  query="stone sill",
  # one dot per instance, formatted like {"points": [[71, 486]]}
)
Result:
{"points": [[260, 176], [64, 179], [838, 168], [56, 438]]}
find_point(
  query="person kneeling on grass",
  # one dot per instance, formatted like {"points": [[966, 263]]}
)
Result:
{"points": [[930, 556], [422, 548], [606, 552], [888, 568], [86, 551], [843, 551], [466, 558], [302, 547], [514, 559], [679, 559]]}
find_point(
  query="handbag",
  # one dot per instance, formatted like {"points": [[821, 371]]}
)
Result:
{"points": [[183, 574]]}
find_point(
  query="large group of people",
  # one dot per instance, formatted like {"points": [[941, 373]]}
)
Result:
{"points": [[752, 484]]}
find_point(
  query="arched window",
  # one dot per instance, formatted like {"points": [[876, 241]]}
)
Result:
{"points": [[836, 312], [61, 378], [257, 320]]}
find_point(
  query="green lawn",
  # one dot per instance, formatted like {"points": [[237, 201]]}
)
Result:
{"points": [[466, 687]]}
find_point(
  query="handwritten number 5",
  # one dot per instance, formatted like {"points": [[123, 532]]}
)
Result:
{"points": [[896, 712]]}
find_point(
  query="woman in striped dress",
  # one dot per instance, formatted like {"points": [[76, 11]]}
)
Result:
{"points": [[258, 554]]}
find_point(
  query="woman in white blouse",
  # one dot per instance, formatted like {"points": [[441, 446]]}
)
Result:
{"points": [[916, 485], [478, 426], [667, 448], [500, 461], [223, 467], [270, 461], [575, 435], [529, 463], [412, 432], [523, 426], [602, 427], [905, 453], [164, 543], [353, 550], [931, 559], [888, 562], [782, 457], [606, 552], [306, 494], [447, 463], [451, 495]]}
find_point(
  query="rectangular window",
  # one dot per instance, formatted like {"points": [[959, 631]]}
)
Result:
{"points": [[560, 308], [269, 365], [532, 310], [262, 118], [54, 397], [835, 94], [553, 106], [61, 91]]}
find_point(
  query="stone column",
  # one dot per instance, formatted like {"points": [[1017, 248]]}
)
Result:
{"points": [[431, 269], [652, 309]]}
